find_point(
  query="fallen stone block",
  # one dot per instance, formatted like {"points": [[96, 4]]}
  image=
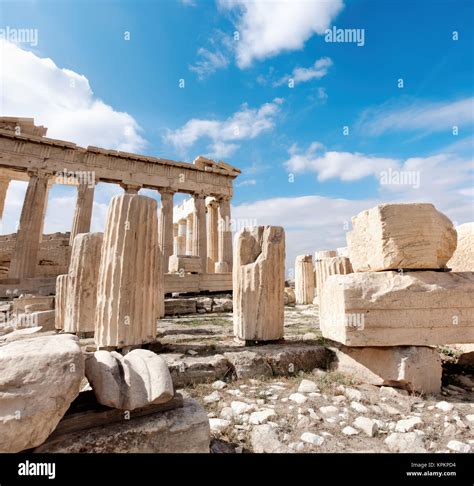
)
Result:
{"points": [[247, 364], [400, 236], [138, 379], [287, 360], [40, 378], [185, 264], [176, 307], [188, 370], [181, 430], [415, 368], [392, 308]]}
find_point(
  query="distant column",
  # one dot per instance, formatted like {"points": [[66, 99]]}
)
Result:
{"points": [[83, 212], [212, 235], [189, 234], [224, 263], [181, 246], [199, 230], [165, 233], [25, 256]]}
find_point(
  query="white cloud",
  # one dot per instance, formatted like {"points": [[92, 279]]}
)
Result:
{"points": [[267, 28], [63, 101], [347, 166], [246, 182], [209, 62], [417, 115], [247, 123], [188, 3], [300, 75]]}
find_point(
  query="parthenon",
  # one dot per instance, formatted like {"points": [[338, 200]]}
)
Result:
{"points": [[199, 228]]}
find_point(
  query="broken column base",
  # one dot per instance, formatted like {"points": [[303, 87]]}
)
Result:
{"points": [[181, 430], [414, 368]]}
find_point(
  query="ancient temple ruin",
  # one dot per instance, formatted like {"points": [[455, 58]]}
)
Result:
{"points": [[30, 261]]}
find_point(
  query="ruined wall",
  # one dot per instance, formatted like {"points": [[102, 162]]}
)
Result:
{"points": [[54, 254]]}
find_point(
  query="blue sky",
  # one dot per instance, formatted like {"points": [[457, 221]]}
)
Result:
{"points": [[298, 167]]}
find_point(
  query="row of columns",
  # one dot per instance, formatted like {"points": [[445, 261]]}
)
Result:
{"points": [[208, 238]]}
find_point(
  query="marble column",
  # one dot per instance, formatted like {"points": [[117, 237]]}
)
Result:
{"points": [[212, 235], [175, 238], [199, 230], [45, 209], [181, 247], [83, 212], [25, 256], [224, 263], [4, 183], [165, 232], [189, 234]]}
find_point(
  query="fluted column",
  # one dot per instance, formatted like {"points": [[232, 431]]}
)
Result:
{"points": [[25, 256], [83, 212], [130, 283], [199, 230], [181, 246], [189, 234], [175, 238], [212, 236], [4, 183], [165, 232], [224, 263]]}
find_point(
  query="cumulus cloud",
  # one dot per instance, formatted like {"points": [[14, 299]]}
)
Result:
{"points": [[63, 101], [224, 135], [300, 75], [347, 166], [209, 62], [267, 28], [417, 115]]}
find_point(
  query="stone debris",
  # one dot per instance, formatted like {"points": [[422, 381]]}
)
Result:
{"points": [[367, 425], [312, 439], [138, 379]]}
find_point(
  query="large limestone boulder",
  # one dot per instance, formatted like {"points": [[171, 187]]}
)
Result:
{"points": [[393, 308], [304, 279], [259, 283], [39, 379], [415, 368], [400, 236], [128, 382], [83, 274], [463, 257]]}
